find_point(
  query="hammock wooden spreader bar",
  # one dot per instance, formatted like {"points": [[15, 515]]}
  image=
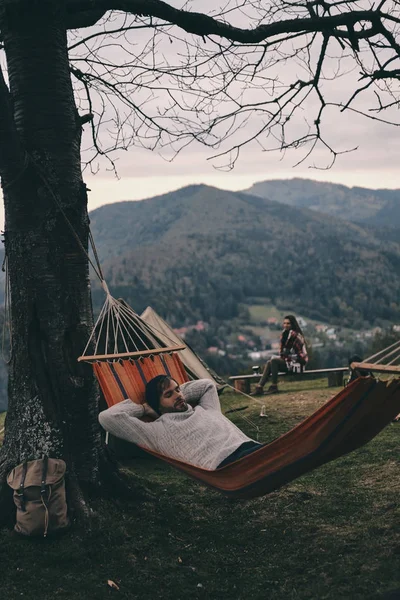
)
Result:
{"points": [[346, 422], [391, 369], [123, 355]]}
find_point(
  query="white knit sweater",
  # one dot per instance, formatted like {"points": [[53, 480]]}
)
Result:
{"points": [[201, 436]]}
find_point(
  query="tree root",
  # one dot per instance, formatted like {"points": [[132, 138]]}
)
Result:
{"points": [[79, 511]]}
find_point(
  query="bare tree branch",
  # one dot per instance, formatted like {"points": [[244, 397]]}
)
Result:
{"points": [[205, 25], [230, 86]]}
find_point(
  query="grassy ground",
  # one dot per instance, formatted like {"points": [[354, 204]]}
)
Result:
{"points": [[333, 534], [261, 312]]}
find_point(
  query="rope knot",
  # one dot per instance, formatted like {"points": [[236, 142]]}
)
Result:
{"points": [[105, 287]]}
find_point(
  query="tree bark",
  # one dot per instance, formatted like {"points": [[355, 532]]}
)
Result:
{"points": [[53, 400]]}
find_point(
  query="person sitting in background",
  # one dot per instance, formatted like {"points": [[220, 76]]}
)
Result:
{"points": [[292, 351], [188, 424]]}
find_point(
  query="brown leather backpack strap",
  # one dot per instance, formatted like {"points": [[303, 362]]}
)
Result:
{"points": [[20, 490], [45, 495], [44, 476]]}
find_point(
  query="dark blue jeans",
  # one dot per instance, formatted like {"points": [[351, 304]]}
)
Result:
{"points": [[243, 450]]}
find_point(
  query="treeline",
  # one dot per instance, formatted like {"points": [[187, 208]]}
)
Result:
{"points": [[332, 282]]}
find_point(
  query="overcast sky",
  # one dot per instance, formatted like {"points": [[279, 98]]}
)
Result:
{"points": [[374, 164]]}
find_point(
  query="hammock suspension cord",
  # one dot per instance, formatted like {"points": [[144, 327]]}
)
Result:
{"points": [[393, 349], [57, 200], [247, 420], [120, 330], [118, 314]]}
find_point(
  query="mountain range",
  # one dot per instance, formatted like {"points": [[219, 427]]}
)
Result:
{"points": [[201, 252], [378, 208]]}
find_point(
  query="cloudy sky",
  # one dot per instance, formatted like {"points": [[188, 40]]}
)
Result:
{"points": [[374, 164]]}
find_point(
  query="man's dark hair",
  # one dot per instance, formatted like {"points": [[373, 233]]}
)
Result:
{"points": [[154, 389]]}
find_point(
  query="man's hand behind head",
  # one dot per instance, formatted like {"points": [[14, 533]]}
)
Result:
{"points": [[149, 412]]}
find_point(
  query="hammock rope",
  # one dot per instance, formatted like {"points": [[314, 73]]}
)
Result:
{"points": [[384, 353], [57, 199], [120, 332], [384, 361], [245, 418]]}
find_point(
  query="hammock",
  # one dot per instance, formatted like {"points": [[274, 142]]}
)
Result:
{"points": [[346, 422]]}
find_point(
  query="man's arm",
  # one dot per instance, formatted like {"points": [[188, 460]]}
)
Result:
{"points": [[202, 392], [123, 421]]}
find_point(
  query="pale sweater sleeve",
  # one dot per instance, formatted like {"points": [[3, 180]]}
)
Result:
{"points": [[202, 392], [123, 421]]}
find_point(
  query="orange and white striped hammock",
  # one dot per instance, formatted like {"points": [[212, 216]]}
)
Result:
{"points": [[127, 378]]}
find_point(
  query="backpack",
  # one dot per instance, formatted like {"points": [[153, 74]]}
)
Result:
{"points": [[39, 495]]}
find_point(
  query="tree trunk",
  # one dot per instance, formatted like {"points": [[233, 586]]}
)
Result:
{"points": [[52, 398]]}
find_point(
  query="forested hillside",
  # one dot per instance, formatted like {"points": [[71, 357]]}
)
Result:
{"points": [[200, 252], [379, 208]]}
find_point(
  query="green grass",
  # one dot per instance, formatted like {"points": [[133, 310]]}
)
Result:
{"points": [[332, 534], [261, 312]]}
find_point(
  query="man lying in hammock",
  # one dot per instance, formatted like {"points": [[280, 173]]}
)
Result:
{"points": [[188, 424]]}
